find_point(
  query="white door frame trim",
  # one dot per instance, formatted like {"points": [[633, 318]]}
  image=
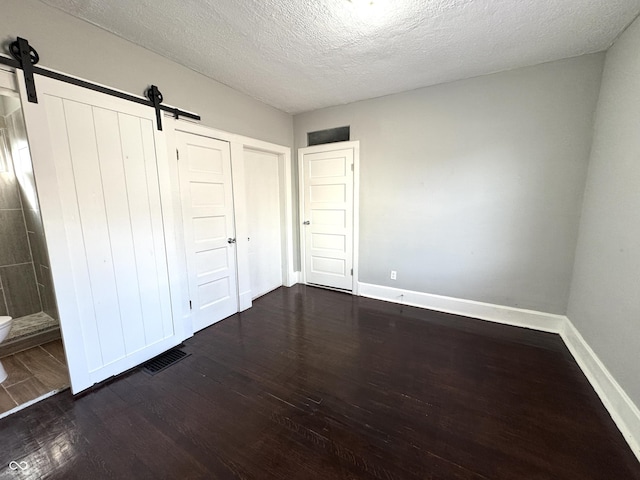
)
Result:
{"points": [[355, 145], [237, 144]]}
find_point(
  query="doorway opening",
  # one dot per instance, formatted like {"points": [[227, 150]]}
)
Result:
{"points": [[31, 350]]}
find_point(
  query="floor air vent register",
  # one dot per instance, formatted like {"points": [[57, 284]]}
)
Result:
{"points": [[164, 361]]}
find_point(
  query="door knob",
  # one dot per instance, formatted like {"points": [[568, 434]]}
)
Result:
{"points": [[231, 240], [307, 222]]}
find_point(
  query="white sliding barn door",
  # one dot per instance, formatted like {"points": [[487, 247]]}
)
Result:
{"points": [[262, 192], [99, 175], [207, 208], [327, 195]]}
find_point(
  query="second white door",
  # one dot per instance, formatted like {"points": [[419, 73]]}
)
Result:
{"points": [[327, 178], [262, 180], [207, 206]]}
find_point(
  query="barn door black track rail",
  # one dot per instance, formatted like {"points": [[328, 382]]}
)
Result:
{"points": [[25, 57]]}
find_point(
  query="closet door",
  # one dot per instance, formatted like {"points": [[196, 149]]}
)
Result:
{"points": [[210, 244], [101, 179], [262, 187]]}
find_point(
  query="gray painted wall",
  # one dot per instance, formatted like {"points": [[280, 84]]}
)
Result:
{"points": [[79, 48], [605, 294], [473, 189]]}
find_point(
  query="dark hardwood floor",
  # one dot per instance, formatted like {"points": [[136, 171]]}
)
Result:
{"points": [[314, 384]]}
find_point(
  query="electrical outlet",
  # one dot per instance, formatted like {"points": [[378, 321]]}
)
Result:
{"points": [[393, 274]]}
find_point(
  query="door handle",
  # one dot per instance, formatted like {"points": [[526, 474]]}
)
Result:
{"points": [[306, 222], [231, 240]]}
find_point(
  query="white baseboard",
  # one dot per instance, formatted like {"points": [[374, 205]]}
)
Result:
{"points": [[292, 278], [519, 317], [624, 412], [244, 301]]}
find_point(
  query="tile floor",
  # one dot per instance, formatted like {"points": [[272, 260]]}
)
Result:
{"points": [[32, 374]]}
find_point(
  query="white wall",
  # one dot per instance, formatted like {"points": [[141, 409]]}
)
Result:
{"points": [[473, 189], [605, 294], [76, 47]]}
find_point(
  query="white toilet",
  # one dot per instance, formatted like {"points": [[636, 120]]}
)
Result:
{"points": [[5, 327]]}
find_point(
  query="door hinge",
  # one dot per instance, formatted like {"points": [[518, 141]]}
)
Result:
{"points": [[177, 154], [352, 167], [352, 272], [190, 305]]}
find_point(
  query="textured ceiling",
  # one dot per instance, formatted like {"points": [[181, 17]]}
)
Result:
{"points": [[303, 55]]}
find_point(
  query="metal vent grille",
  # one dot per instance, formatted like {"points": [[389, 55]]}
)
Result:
{"points": [[331, 135], [161, 362]]}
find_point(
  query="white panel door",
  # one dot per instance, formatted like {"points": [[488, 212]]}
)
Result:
{"points": [[262, 191], [207, 206], [98, 176], [328, 216]]}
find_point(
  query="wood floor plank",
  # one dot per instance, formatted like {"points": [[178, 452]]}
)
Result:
{"points": [[16, 370], [44, 367], [56, 349], [6, 402], [27, 390], [313, 384]]}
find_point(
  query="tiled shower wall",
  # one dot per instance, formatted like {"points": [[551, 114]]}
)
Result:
{"points": [[26, 286]]}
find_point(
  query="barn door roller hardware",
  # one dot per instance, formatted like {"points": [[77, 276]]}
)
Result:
{"points": [[26, 57]]}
